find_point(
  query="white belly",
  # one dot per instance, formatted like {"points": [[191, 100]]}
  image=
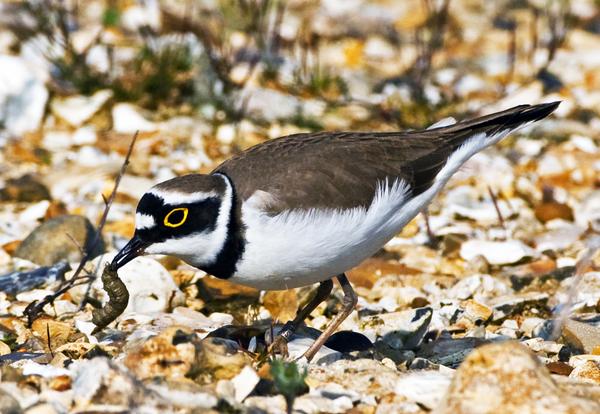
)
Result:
{"points": [[303, 247]]}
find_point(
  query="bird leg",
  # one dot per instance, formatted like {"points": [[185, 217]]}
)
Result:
{"points": [[350, 300], [279, 344]]}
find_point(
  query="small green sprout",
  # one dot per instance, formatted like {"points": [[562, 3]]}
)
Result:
{"points": [[289, 381]]}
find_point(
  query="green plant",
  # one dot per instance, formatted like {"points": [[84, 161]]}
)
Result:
{"points": [[289, 381]]}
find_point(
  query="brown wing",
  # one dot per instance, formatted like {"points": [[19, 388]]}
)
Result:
{"points": [[343, 169]]}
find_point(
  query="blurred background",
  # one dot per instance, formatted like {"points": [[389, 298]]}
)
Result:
{"points": [[202, 80]]}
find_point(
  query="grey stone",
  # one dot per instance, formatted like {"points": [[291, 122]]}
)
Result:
{"points": [[17, 282], [8, 404], [581, 336], [59, 239], [507, 378], [26, 189]]}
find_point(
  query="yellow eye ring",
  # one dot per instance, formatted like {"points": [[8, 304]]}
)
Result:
{"points": [[167, 223]]}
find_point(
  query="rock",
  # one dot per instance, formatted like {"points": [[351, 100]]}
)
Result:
{"points": [[43, 408], [185, 395], [244, 383], [59, 239], [191, 319], [400, 330], [43, 370], [586, 294], [449, 352], [475, 313], [8, 404], [226, 134], [582, 336], [479, 287], [23, 96], [25, 189], [17, 282], [507, 305], [52, 332], [497, 252], [559, 237], [272, 105], [151, 287], [552, 210], [300, 344], [77, 109], [127, 119], [222, 359], [427, 388], [100, 381], [174, 353], [281, 304], [559, 368], [463, 202], [315, 404], [588, 212], [4, 348], [588, 371], [506, 378], [362, 376]]}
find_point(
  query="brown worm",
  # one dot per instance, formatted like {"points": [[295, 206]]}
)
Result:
{"points": [[118, 298]]}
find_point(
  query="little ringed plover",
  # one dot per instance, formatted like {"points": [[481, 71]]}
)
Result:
{"points": [[306, 208]]}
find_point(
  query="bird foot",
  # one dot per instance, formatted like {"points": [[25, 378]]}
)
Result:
{"points": [[279, 344], [278, 347]]}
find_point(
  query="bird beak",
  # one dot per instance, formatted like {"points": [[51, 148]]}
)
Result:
{"points": [[134, 248]]}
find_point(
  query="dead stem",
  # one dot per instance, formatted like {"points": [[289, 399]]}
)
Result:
{"points": [[35, 308], [497, 207]]}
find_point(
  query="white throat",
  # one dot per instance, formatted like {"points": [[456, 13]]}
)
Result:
{"points": [[201, 249]]}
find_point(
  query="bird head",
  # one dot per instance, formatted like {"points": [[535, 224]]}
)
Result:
{"points": [[186, 217]]}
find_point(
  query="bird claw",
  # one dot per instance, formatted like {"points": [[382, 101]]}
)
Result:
{"points": [[278, 346]]}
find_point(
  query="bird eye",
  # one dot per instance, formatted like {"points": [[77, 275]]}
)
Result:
{"points": [[176, 217]]}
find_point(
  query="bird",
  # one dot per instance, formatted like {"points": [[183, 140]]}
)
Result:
{"points": [[306, 208]]}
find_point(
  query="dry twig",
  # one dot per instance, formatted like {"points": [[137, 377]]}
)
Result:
{"points": [[35, 308]]}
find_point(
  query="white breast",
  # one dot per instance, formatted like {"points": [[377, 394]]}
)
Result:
{"points": [[301, 247]]}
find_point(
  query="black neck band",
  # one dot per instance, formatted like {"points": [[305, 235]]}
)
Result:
{"points": [[225, 264]]}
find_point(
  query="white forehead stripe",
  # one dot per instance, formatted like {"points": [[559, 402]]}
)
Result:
{"points": [[177, 197], [144, 221]]}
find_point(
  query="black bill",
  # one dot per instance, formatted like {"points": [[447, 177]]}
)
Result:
{"points": [[134, 248]]}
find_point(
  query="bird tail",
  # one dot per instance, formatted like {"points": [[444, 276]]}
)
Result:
{"points": [[498, 124]]}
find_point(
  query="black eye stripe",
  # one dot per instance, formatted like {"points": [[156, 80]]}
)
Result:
{"points": [[202, 216]]}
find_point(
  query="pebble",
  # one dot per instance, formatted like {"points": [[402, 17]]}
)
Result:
{"points": [[17, 282], [222, 359], [505, 306], [582, 336], [77, 109], [507, 378], [400, 330], [497, 252], [59, 239], [174, 353], [588, 371], [588, 212], [449, 352], [244, 383], [427, 388], [23, 96], [26, 188], [8, 404], [127, 119]]}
